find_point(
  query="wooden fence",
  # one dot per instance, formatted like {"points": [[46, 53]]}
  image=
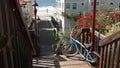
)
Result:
{"points": [[17, 53], [110, 51]]}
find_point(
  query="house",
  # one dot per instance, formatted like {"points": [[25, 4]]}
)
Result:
{"points": [[85, 6]]}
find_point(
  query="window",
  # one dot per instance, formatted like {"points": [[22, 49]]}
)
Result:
{"points": [[97, 3], [111, 3], [119, 5], [91, 3], [82, 4], [74, 6], [60, 5], [67, 6]]}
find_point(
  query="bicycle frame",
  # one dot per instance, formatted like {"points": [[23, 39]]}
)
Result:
{"points": [[86, 51], [87, 55], [77, 44]]}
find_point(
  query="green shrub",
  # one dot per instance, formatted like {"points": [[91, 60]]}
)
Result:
{"points": [[55, 35]]}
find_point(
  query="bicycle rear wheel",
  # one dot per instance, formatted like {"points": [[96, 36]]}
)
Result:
{"points": [[58, 48], [93, 57], [69, 50]]}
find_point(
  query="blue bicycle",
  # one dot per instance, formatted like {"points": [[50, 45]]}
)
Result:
{"points": [[74, 48]]}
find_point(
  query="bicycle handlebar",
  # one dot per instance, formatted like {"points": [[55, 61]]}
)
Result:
{"points": [[82, 30], [74, 40]]}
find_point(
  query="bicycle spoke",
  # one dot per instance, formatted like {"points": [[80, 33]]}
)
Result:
{"points": [[70, 50]]}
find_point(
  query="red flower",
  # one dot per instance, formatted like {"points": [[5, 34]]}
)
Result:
{"points": [[84, 26], [84, 18], [79, 20], [115, 15], [74, 33], [84, 21], [99, 25], [89, 17]]}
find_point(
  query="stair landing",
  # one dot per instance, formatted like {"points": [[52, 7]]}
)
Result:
{"points": [[59, 62]]}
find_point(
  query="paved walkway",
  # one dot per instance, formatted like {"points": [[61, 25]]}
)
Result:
{"points": [[46, 40], [48, 59]]}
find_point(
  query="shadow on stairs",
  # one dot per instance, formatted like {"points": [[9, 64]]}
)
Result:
{"points": [[54, 61]]}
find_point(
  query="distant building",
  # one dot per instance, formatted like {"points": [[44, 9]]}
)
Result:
{"points": [[27, 10], [76, 6], [85, 6]]}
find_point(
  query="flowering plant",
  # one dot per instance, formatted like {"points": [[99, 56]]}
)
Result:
{"points": [[104, 20], [84, 21], [74, 33], [115, 16]]}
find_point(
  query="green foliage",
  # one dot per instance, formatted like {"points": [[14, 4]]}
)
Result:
{"points": [[114, 29], [63, 14], [80, 14], [75, 17], [117, 10], [55, 35], [70, 15]]}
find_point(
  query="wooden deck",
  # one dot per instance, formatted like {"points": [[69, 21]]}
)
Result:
{"points": [[60, 62]]}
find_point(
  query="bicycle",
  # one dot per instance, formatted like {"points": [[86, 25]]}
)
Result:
{"points": [[73, 48]]}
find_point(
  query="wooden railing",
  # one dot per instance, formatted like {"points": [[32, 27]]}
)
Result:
{"points": [[107, 47], [85, 37], [98, 37], [17, 53], [110, 51]]}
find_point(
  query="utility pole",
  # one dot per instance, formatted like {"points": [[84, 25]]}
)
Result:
{"points": [[93, 23]]}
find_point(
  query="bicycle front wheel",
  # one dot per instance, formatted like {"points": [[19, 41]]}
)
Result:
{"points": [[69, 50], [93, 57]]}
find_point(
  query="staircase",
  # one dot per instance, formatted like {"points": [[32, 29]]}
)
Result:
{"points": [[47, 58]]}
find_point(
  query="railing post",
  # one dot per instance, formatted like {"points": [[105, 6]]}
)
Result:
{"points": [[101, 58], [93, 23]]}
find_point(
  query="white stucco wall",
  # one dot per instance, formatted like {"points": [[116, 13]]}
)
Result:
{"points": [[27, 13]]}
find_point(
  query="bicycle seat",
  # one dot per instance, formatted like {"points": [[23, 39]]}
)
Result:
{"points": [[87, 45]]}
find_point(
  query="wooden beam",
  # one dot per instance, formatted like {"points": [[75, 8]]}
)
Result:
{"points": [[110, 39]]}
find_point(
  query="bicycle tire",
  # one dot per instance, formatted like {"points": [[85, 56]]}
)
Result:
{"points": [[93, 57], [58, 48], [69, 51]]}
